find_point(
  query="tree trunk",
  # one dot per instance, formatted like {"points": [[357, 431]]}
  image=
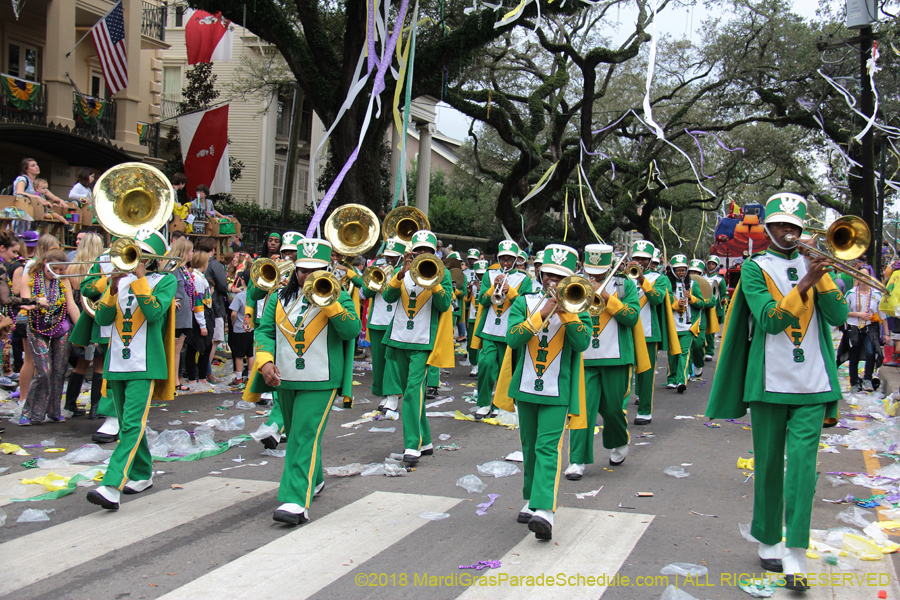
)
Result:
{"points": [[296, 124]]}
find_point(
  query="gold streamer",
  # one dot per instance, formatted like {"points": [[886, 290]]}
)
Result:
{"points": [[584, 210], [490, 96], [566, 215]]}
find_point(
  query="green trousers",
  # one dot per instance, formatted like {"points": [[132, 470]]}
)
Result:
{"points": [[470, 333], [105, 407], [376, 337], [646, 382], [709, 349], [784, 497], [275, 416], [678, 363], [697, 349], [131, 456], [541, 430], [305, 417], [604, 388], [406, 375], [489, 360], [433, 379]]}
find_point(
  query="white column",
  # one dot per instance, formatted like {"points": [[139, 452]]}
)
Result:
{"points": [[128, 100], [396, 140], [423, 179]]}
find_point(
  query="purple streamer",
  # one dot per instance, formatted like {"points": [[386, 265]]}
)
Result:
{"points": [[370, 35], [483, 564], [482, 508], [377, 88], [599, 153]]}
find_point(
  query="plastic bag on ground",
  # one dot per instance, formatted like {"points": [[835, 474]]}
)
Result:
{"points": [[227, 403], [394, 470], [861, 547], [434, 516], [498, 468], [89, 453], [892, 471], [854, 515], [52, 463], [345, 470], [677, 472], [674, 593], [265, 431], [757, 588], [3, 516], [172, 441], [745, 531], [833, 537], [273, 452], [204, 439], [507, 418], [373, 469], [684, 569], [244, 405], [34, 515], [471, 483], [836, 481], [221, 388]]}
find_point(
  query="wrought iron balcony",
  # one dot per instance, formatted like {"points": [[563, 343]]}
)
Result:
{"points": [[153, 20], [36, 114], [93, 116]]}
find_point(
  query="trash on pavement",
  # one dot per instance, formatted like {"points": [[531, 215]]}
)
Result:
{"points": [[35, 515], [89, 453], [484, 506], [855, 516], [684, 569], [745, 463], [13, 449], [383, 429], [516, 456], [483, 564], [674, 593], [471, 483], [345, 470], [433, 516], [498, 468], [758, 588], [677, 472]]}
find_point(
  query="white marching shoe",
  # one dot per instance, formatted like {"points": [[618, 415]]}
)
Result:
{"points": [[574, 472], [291, 514], [617, 455]]}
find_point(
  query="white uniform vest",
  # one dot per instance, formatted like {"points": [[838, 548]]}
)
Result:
{"points": [[105, 267], [683, 321], [605, 343], [540, 373], [382, 311], [128, 347], [495, 324], [647, 309], [415, 329], [793, 368], [302, 356]]}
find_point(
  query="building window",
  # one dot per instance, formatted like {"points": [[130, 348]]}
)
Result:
{"points": [[278, 185], [172, 84], [179, 15], [22, 61], [98, 85], [301, 177]]}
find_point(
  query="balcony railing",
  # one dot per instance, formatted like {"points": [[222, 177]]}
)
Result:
{"points": [[91, 126], [150, 138], [35, 115], [153, 21], [169, 109]]}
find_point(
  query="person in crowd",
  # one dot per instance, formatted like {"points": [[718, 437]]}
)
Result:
{"points": [[49, 200], [199, 338], [185, 293], [862, 334], [90, 246], [239, 340], [49, 323], [82, 192], [203, 204], [273, 246], [10, 304], [890, 305], [27, 184], [71, 254], [218, 286]]}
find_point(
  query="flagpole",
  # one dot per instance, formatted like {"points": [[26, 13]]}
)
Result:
{"points": [[89, 31]]}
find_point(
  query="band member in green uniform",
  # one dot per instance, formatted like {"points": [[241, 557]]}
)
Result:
{"points": [[473, 282], [685, 302], [381, 313], [704, 319], [720, 293], [546, 377], [303, 348], [500, 286], [781, 365], [140, 365]]}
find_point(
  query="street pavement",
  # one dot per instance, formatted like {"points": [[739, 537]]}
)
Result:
{"points": [[205, 528]]}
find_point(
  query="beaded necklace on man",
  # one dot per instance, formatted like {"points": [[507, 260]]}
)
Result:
{"points": [[47, 321], [862, 322]]}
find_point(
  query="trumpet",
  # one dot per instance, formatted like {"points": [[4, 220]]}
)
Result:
{"points": [[634, 272], [574, 294], [427, 270], [377, 278], [846, 239], [498, 297], [269, 275]]}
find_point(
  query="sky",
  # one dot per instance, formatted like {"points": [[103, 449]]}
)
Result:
{"points": [[678, 23]]}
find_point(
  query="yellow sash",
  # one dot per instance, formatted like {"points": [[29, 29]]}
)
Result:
{"points": [[164, 389], [674, 344]]}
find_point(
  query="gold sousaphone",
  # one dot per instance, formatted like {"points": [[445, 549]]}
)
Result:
{"points": [[403, 222]]}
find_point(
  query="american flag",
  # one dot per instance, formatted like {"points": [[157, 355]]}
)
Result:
{"points": [[109, 39]]}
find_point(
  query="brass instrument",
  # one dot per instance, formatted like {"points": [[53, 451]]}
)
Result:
{"points": [[634, 272], [376, 278], [90, 306], [125, 255], [498, 297], [452, 262], [320, 289], [598, 306], [427, 270], [705, 289], [846, 239], [574, 294], [403, 222], [269, 275], [352, 230], [458, 278]]}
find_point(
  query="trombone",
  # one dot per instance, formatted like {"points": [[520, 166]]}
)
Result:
{"points": [[427, 270], [125, 255], [574, 294], [846, 239], [598, 304], [376, 278], [269, 275]]}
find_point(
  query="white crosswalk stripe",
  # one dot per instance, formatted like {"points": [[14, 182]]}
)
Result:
{"points": [[80, 540], [356, 530]]}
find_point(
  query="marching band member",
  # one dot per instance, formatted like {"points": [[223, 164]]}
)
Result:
{"points": [[608, 363], [685, 302], [140, 365], [785, 373], [536, 285], [705, 321], [303, 351], [546, 376], [720, 293], [522, 262], [473, 256], [480, 268], [421, 336], [380, 315], [494, 322], [657, 321], [656, 262]]}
